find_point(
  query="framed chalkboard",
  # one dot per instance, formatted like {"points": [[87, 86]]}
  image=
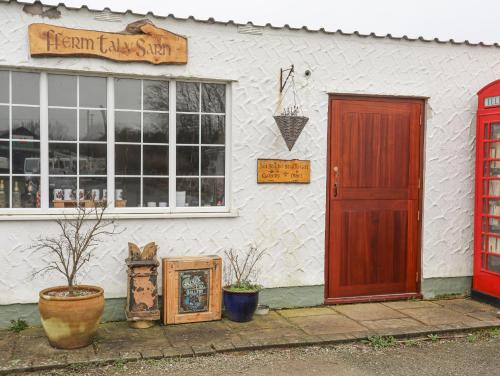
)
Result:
{"points": [[192, 289]]}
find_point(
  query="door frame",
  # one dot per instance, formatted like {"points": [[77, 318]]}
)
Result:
{"points": [[383, 297]]}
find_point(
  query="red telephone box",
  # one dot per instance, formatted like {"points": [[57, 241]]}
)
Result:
{"points": [[486, 280]]}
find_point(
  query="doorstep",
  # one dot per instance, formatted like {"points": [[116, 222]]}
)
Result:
{"points": [[30, 351]]}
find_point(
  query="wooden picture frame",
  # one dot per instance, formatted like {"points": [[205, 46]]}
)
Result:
{"points": [[192, 289]]}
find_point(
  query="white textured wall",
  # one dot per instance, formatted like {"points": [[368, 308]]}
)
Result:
{"points": [[287, 220]]}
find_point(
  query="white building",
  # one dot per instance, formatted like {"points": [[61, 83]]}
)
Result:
{"points": [[205, 147]]}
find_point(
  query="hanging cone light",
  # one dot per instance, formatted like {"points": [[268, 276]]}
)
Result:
{"points": [[290, 120], [290, 127]]}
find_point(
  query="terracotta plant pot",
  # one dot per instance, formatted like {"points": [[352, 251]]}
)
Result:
{"points": [[71, 322]]}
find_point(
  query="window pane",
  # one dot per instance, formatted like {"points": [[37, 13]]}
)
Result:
{"points": [[4, 87], [127, 94], [93, 188], [187, 192], [188, 96], [212, 129], [212, 192], [62, 124], [92, 125], [187, 160], [213, 98], [4, 122], [61, 189], [93, 159], [127, 126], [155, 127], [127, 192], [25, 88], [155, 160], [26, 123], [187, 129], [62, 159], [93, 92], [155, 192], [155, 95], [25, 157], [127, 159], [62, 90], [4, 157], [212, 160], [4, 192], [25, 192]]}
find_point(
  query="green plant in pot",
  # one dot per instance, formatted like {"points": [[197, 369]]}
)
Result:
{"points": [[241, 293], [70, 314]]}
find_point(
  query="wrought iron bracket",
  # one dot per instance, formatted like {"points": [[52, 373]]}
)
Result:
{"points": [[283, 71]]}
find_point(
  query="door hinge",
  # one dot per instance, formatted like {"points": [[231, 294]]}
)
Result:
{"points": [[416, 277], [418, 215], [419, 183]]}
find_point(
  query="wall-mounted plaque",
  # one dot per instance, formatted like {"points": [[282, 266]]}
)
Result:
{"points": [[283, 171], [192, 288], [142, 41]]}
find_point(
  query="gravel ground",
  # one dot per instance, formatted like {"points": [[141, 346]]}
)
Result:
{"points": [[472, 354]]}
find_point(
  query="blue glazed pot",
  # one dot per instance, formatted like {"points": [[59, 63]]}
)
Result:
{"points": [[240, 306]]}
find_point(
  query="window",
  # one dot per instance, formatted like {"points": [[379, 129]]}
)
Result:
{"points": [[69, 140], [19, 140]]}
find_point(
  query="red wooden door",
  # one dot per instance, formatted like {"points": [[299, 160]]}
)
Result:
{"points": [[373, 206]]}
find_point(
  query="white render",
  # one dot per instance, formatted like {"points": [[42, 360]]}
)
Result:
{"points": [[287, 220]]}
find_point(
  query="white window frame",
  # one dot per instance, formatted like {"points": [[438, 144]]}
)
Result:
{"points": [[127, 212]]}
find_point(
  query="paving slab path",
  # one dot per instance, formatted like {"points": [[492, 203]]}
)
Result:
{"points": [[29, 349]]}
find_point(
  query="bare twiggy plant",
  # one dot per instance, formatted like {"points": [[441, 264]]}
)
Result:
{"points": [[240, 271], [79, 235]]}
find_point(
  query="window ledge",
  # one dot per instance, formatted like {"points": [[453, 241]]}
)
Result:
{"points": [[33, 216]]}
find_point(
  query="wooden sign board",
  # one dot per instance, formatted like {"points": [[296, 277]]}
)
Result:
{"points": [[142, 42], [192, 289], [283, 171]]}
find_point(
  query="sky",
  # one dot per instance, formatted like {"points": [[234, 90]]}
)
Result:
{"points": [[473, 20]]}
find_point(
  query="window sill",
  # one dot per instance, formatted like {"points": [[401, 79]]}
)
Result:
{"points": [[116, 214]]}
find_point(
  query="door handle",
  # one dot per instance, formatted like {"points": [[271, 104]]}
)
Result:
{"points": [[335, 181]]}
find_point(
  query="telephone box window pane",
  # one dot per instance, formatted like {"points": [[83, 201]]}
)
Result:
{"points": [[493, 263], [93, 159], [4, 87], [25, 157], [127, 126], [25, 192], [187, 192], [93, 125], [155, 127], [212, 129], [127, 192], [495, 131], [155, 160], [93, 92], [187, 129], [127, 159], [62, 124], [4, 157], [212, 160], [25, 88], [62, 159], [127, 94], [155, 191], [212, 192], [188, 96], [213, 98], [187, 160], [26, 123], [62, 90], [61, 188], [4, 122], [155, 95]]}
